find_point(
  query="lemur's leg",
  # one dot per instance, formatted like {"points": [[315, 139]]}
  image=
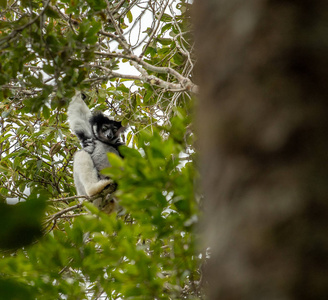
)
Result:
{"points": [[86, 172]]}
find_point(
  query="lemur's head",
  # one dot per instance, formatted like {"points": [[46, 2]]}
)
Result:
{"points": [[105, 129]]}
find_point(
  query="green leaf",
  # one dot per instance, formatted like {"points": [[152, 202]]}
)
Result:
{"points": [[129, 152], [46, 112], [115, 160], [164, 41], [129, 15], [36, 82], [149, 93], [91, 34], [178, 59], [166, 27], [48, 69], [6, 113], [97, 5], [128, 138], [166, 18], [50, 12]]}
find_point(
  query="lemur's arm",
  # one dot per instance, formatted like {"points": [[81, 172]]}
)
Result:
{"points": [[79, 116]]}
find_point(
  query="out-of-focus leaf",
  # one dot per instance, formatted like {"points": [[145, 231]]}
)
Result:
{"points": [[22, 222], [46, 112], [115, 160], [3, 3], [50, 12], [129, 152], [13, 289]]}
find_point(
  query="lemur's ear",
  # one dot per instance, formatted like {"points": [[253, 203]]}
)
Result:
{"points": [[118, 124], [84, 96], [121, 130]]}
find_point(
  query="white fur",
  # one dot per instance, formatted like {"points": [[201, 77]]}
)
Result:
{"points": [[85, 175], [79, 115]]}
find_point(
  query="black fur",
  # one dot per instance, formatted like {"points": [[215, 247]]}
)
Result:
{"points": [[108, 134]]}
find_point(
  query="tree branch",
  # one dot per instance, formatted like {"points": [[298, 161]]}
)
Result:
{"points": [[185, 84], [60, 213], [150, 79]]}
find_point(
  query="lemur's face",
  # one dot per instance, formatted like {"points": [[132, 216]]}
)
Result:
{"points": [[110, 130], [105, 129]]}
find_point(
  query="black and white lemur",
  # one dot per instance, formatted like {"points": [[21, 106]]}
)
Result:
{"points": [[98, 135]]}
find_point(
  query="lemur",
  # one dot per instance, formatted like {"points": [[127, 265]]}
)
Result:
{"points": [[98, 135]]}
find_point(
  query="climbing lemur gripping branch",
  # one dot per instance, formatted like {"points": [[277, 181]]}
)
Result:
{"points": [[98, 135]]}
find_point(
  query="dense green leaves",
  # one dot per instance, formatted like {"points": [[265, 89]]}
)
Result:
{"points": [[53, 245]]}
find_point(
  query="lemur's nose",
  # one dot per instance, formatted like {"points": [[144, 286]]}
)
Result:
{"points": [[110, 135]]}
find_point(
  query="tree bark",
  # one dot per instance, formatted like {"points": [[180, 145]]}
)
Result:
{"points": [[263, 141]]}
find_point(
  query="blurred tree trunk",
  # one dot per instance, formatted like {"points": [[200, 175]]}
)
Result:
{"points": [[263, 142]]}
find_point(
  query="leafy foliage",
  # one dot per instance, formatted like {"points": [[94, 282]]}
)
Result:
{"points": [[49, 49]]}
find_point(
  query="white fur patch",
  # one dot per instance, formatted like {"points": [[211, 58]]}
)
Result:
{"points": [[79, 115], [85, 175]]}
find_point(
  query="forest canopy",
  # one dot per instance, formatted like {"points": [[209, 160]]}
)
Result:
{"points": [[134, 61]]}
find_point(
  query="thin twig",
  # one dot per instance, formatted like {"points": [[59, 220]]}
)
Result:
{"points": [[154, 30], [64, 211], [68, 198]]}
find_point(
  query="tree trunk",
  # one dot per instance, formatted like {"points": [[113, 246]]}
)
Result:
{"points": [[263, 140]]}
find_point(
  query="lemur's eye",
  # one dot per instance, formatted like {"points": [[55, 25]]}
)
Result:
{"points": [[105, 127]]}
